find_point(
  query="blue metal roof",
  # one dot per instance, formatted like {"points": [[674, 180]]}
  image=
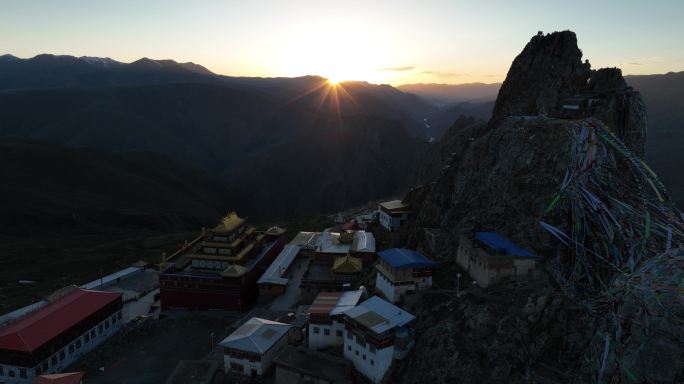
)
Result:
{"points": [[405, 258], [501, 244]]}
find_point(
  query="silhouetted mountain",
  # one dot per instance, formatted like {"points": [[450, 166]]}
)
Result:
{"points": [[442, 120], [355, 98], [246, 131], [48, 190], [442, 94], [570, 172], [51, 71], [340, 165]]}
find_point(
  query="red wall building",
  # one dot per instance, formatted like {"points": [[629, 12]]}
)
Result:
{"points": [[56, 335], [191, 289]]}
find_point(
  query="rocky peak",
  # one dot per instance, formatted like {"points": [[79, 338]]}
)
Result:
{"points": [[510, 175], [548, 69], [548, 78]]}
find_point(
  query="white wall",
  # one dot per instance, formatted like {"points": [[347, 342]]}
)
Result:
{"points": [[375, 364], [393, 292], [56, 363], [385, 287], [247, 365], [391, 223], [261, 366], [320, 340]]}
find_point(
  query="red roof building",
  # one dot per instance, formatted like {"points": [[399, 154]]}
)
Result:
{"points": [[57, 334], [60, 378]]}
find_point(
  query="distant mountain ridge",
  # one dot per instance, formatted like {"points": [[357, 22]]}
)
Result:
{"points": [[216, 122], [453, 93], [54, 71], [249, 133]]}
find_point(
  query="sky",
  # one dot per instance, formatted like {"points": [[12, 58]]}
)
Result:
{"points": [[394, 42]]}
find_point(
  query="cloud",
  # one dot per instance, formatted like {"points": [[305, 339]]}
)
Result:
{"points": [[646, 61], [441, 74], [397, 69]]}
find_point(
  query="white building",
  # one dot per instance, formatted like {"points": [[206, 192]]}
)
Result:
{"points": [[57, 334], [490, 258], [326, 320], [377, 333], [402, 271], [273, 281], [392, 214], [250, 349]]}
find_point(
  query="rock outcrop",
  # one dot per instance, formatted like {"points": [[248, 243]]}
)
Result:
{"points": [[501, 176], [548, 78]]}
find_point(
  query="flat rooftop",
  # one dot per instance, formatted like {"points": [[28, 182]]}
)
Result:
{"points": [[379, 315], [394, 205], [274, 272]]}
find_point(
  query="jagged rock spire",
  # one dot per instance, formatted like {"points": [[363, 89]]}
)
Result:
{"points": [[548, 78]]}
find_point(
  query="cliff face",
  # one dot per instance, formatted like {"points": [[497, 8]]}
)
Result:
{"points": [[502, 173], [549, 69], [558, 127], [548, 78]]}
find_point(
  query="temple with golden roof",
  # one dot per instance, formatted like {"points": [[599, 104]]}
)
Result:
{"points": [[220, 269]]}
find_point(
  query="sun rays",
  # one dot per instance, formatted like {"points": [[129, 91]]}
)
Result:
{"points": [[330, 96]]}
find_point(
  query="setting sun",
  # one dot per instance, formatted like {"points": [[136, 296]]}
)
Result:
{"points": [[333, 81]]}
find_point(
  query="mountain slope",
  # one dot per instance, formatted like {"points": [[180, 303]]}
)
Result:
{"points": [[331, 169], [593, 312], [49, 189]]}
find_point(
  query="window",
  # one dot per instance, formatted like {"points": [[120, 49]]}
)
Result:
{"points": [[113, 319], [119, 315], [338, 333], [45, 367], [107, 324], [349, 335], [364, 357], [100, 328], [11, 373], [92, 334], [61, 355], [22, 373], [317, 330], [53, 361], [71, 348], [236, 367], [2, 371], [357, 352], [78, 343], [326, 331], [86, 338], [372, 362], [349, 348]]}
